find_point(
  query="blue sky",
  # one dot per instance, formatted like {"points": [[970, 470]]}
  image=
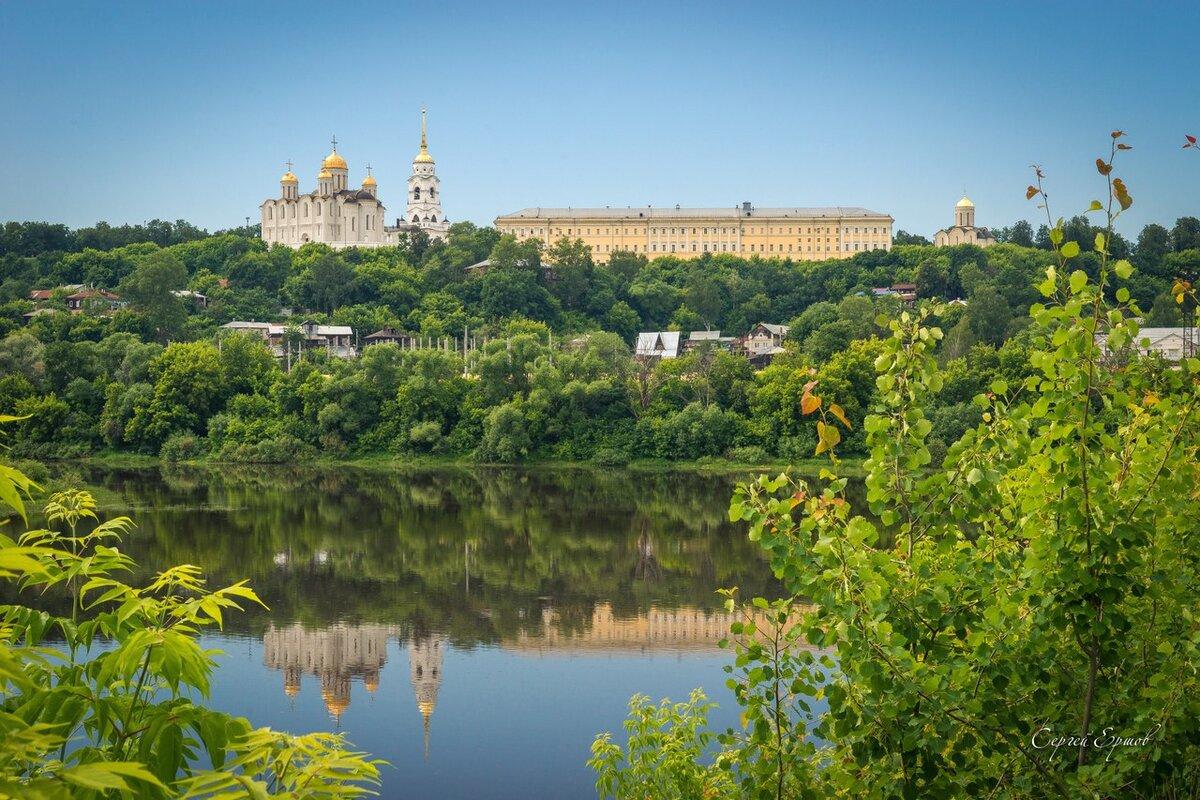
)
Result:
{"points": [[130, 111]]}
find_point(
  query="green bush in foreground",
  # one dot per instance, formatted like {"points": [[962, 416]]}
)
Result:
{"points": [[1020, 622], [100, 702]]}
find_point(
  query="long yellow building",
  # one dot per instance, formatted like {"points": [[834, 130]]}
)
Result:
{"points": [[801, 234]]}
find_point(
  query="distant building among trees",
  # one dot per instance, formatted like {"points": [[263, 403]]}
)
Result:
{"points": [[963, 231]]}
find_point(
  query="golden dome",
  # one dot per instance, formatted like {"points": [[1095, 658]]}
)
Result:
{"points": [[426, 708], [371, 683], [964, 203], [333, 161], [324, 175], [291, 689], [334, 703], [289, 177], [369, 181]]}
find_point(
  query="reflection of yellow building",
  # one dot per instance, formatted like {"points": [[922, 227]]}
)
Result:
{"points": [[334, 654], [800, 234], [659, 629]]}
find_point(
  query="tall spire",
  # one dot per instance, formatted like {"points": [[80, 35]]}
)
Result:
{"points": [[426, 715], [423, 156]]}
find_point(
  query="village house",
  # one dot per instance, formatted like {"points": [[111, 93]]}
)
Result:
{"points": [[386, 336], [482, 267], [712, 339], [197, 299], [1170, 344], [906, 293], [657, 344], [99, 299], [336, 340], [30, 316], [42, 295], [764, 340]]}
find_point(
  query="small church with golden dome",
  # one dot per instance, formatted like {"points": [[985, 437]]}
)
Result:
{"points": [[339, 216], [963, 231]]}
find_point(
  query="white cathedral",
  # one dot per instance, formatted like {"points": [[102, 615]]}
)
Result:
{"points": [[339, 216]]}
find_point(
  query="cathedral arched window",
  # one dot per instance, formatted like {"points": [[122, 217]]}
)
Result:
{"points": [[416, 193], [433, 218], [432, 192], [416, 218]]}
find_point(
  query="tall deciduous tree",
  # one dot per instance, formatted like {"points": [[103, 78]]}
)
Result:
{"points": [[150, 288]]}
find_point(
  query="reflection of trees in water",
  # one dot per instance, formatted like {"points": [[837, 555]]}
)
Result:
{"points": [[646, 568], [477, 553]]}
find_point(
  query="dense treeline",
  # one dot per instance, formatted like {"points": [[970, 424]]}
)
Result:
{"points": [[556, 378]]}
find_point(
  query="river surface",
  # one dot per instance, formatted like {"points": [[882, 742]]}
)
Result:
{"points": [[474, 627]]}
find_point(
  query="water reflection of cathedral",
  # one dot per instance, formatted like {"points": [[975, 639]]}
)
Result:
{"points": [[341, 653]]}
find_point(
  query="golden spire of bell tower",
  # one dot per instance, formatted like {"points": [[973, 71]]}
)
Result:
{"points": [[423, 156]]}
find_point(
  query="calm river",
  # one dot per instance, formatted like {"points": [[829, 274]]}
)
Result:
{"points": [[474, 627]]}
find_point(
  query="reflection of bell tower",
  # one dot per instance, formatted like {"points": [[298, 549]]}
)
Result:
{"points": [[291, 681], [425, 669], [647, 566]]}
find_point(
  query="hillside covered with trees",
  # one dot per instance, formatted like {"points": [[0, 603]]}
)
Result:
{"points": [[556, 379]]}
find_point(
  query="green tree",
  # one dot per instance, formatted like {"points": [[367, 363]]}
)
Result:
{"points": [[1021, 234], [988, 314], [515, 291], [1186, 234], [188, 389], [325, 282], [904, 237], [1153, 244], [1039, 585], [150, 288], [112, 708], [1164, 313], [707, 297], [623, 320], [572, 265]]}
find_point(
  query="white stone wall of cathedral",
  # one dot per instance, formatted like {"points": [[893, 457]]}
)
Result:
{"points": [[322, 219]]}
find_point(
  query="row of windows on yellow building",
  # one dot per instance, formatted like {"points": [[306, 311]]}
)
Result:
{"points": [[750, 232]]}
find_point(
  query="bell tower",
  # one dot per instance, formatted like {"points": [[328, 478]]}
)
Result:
{"points": [[424, 189]]}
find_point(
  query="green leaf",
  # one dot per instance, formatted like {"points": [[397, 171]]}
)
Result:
{"points": [[102, 775], [1079, 280], [1123, 269], [1070, 250]]}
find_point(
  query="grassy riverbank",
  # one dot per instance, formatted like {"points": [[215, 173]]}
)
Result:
{"points": [[851, 466]]}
